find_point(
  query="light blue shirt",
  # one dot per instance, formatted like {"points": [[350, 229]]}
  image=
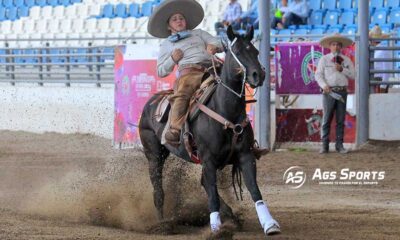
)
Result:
{"points": [[300, 8]]}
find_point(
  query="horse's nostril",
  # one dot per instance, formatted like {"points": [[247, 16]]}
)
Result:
{"points": [[255, 75]]}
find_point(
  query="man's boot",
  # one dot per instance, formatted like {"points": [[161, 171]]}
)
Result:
{"points": [[258, 151], [341, 149], [324, 148]]}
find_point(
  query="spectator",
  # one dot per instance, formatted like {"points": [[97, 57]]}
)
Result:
{"points": [[250, 17], [333, 73], [294, 13], [376, 32], [231, 17]]}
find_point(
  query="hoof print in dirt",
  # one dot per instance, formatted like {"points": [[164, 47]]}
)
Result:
{"points": [[163, 228], [224, 233]]}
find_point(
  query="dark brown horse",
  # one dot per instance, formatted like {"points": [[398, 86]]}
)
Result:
{"points": [[213, 140]]}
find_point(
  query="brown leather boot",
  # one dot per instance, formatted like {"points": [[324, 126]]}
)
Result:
{"points": [[172, 136], [259, 152]]}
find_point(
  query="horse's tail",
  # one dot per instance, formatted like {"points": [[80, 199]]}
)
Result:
{"points": [[237, 177]]}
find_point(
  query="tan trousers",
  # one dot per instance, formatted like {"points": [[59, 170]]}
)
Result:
{"points": [[186, 86]]}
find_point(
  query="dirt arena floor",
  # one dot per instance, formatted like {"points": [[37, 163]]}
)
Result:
{"points": [[55, 186]]}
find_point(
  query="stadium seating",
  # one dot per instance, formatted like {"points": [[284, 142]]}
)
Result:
{"points": [[91, 19], [392, 3], [332, 17]]}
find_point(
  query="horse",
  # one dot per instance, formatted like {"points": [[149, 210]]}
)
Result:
{"points": [[214, 139]]}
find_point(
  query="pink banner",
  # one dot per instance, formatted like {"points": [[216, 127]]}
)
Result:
{"points": [[135, 82], [296, 64]]}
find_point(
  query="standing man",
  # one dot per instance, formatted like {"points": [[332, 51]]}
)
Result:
{"points": [[376, 32], [333, 73], [187, 48]]}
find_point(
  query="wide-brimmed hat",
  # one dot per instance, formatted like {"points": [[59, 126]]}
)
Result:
{"points": [[158, 21], [325, 41], [376, 32]]}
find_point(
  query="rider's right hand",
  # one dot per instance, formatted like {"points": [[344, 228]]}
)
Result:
{"points": [[177, 55]]}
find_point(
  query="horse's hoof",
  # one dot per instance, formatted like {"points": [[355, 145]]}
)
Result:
{"points": [[167, 227], [273, 230]]}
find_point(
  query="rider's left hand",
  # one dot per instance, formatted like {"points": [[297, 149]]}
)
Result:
{"points": [[212, 49]]}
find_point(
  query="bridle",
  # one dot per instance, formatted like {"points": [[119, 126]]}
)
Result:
{"points": [[242, 67]]}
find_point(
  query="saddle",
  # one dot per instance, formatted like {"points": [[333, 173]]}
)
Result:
{"points": [[202, 95]]}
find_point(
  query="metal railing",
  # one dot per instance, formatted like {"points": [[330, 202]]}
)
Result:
{"points": [[396, 63], [67, 64]]}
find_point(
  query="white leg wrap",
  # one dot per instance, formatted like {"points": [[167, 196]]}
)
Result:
{"points": [[215, 221], [264, 216]]}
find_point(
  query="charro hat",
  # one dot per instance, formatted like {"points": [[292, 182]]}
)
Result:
{"points": [[325, 41], [158, 21], [376, 32]]}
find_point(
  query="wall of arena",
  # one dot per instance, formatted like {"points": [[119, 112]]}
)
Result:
{"points": [[81, 108]]}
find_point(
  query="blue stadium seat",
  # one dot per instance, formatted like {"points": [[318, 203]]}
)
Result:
{"points": [[332, 17], [29, 3], [12, 13], [120, 10], [41, 3], [376, 3], [386, 28], [75, 1], [379, 16], [273, 32], [394, 16], [284, 32], [147, 8], [348, 17], [355, 4], [23, 11], [134, 10], [64, 3], [315, 5], [79, 59], [52, 3], [107, 50], [316, 31], [8, 3], [334, 29], [345, 4], [351, 29], [2, 59], [108, 11], [56, 59], [392, 3], [308, 27], [316, 17], [302, 31], [2, 13], [330, 4], [30, 59], [18, 3], [17, 59]]}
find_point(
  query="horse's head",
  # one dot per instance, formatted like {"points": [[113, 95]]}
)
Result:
{"points": [[245, 55]]}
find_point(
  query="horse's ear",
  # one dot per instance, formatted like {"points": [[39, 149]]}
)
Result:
{"points": [[230, 33], [250, 34]]}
